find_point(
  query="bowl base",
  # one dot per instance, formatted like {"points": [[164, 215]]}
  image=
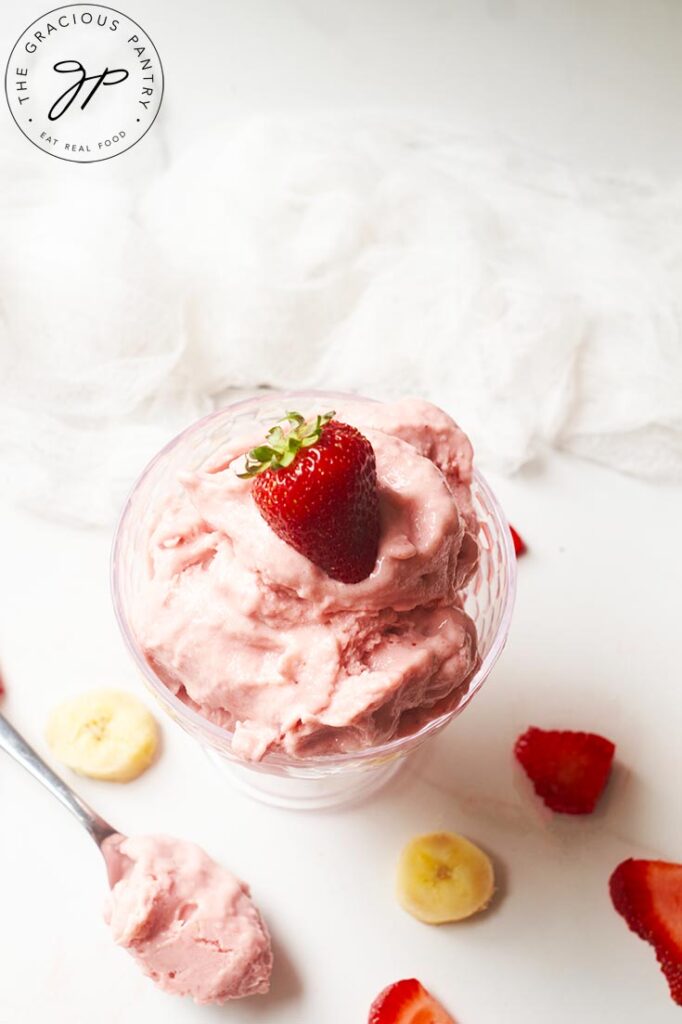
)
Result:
{"points": [[307, 793]]}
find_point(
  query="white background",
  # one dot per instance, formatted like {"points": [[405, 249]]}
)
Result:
{"points": [[594, 641]]}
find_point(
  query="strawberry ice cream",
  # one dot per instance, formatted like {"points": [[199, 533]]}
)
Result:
{"points": [[188, 922], [258, 639]]}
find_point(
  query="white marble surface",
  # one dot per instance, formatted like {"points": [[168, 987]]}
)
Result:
{"points": [[593, 643]]}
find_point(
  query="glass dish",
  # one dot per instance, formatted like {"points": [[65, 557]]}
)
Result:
{"points": [[281, 779]]}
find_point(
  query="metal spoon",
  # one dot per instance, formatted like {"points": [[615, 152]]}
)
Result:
{"points": [[105, 835]]}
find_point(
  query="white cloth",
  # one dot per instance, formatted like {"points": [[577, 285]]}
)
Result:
{"points": [[536, 305]]}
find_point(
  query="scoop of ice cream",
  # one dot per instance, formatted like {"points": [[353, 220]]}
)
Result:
{"points": [[433, 433], [260, 640], [188, 922]]}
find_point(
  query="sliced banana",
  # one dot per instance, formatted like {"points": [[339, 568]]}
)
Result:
{"points": [[443, 877], [106, 734]]}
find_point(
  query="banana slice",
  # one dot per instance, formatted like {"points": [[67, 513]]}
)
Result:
{"points": [[443, 877], [106, 734]]}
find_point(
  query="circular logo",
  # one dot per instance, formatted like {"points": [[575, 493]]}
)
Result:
{"points": [[84, 82]]}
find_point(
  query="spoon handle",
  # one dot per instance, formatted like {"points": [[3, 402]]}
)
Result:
{"points": [[17, 747]]}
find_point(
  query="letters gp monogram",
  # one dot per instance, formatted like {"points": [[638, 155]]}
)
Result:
{"points": [[84, 82]]}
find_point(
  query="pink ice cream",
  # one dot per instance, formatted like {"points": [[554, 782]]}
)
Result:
{"points": [[188, 922], [261, 641]]}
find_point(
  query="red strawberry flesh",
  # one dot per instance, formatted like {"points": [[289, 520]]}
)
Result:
{"points": [[407, 1002], [648, 894], [519, 543], [569, 770], [325, 502]]}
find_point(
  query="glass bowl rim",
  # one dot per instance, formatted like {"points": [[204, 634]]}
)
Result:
{"points": [[219, 735]]}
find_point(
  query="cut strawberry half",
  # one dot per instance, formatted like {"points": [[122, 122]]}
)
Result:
{"points": [[648, 894], [569, 770], [407, 1002], [519, 543]]}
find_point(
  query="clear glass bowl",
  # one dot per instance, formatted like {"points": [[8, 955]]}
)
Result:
{"points": [[281, 779]]}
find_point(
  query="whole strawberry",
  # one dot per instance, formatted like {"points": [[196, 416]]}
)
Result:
{"points": [[315, 484]]}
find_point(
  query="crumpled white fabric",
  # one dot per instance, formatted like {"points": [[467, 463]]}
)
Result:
{"points": [[388, 256]]}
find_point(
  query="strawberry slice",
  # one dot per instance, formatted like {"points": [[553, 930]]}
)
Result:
{"points": [[315, 484], [407, 1002], [648, 894], [520, 546], [569, 770]]}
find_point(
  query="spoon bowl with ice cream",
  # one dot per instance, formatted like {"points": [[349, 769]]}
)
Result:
{"points": [[188, 922]]}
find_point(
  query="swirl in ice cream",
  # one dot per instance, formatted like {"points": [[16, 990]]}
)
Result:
{"points": [[261, 641]]}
